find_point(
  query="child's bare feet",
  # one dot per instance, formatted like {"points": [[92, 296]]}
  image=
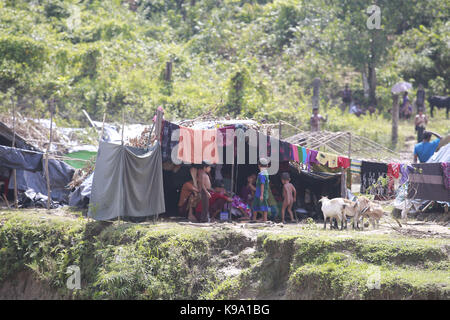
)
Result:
{"points": [[192, 218]]}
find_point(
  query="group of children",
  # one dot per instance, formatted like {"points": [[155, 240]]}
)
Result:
{"points": [[202, 201], [260, 202]]}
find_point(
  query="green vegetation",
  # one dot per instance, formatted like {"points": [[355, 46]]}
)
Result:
{"points": [[254, 58], [170, 261]]}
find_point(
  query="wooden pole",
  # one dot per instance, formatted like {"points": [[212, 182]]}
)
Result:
{"points": [[123, 124], [395, 115], [14, 173], [158, 127], [89, 118], [103, 126], [47, 175], [279, 129], [349, 156], [123, 129]]}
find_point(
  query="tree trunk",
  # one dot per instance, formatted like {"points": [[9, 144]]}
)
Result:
{"points": [[372, 85], [395, 112], [372, 73], [365, 83]]}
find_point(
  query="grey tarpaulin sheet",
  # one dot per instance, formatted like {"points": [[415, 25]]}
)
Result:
{"points": [[60, 175], [13, 158], [128, 182], [80, 196]]}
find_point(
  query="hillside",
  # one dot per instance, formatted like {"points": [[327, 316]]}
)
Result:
{"points": [[253, 58], [219, 261]]}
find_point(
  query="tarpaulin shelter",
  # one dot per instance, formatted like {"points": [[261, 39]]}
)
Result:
{"points": [[234, 174], [30, 174], [127, 182], [28, 161], [426, 182]]}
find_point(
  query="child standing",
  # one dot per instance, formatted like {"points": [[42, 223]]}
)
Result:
{"points": [[262, 191], [289, 195]]}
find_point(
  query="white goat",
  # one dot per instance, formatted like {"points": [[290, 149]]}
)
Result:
{"points": [[332, 209]]}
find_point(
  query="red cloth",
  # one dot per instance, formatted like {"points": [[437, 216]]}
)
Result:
{"points": [[343, 162], [394, 170], [393, 173], [214, 197]]}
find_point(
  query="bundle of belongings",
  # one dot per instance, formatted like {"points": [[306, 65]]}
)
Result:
{"points": [[30, 177]]}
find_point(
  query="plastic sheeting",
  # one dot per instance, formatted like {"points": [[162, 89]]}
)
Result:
{"points": [[14, 158], [60, 175], [81, 195], [128, 182], [443, 155], [30, 175]]}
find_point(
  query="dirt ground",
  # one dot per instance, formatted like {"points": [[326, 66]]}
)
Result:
{"points": [[426, 225]]}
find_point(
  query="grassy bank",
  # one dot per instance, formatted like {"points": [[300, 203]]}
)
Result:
{"points": [[171, 261]]}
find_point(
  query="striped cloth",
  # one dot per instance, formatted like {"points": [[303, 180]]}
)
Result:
{"points": [[355, 166]]}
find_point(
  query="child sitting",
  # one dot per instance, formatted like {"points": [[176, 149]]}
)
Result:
{"points": [[289, 196]]}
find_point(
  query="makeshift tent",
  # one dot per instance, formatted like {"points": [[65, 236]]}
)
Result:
{"points": [[30, 174], [426, 182], [127, 182], [6, 138]]}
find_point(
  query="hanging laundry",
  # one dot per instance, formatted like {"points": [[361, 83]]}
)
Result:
{"points": [[304, 154], [169, 129], [393, 173], [312, 158], [197, 146], [370, 172], [327, 158], [285, 151], [427, 183], [225, 136], [404, 170], [295, 153], [393, 170], [355, 166], [446, 174], [343, 162]]}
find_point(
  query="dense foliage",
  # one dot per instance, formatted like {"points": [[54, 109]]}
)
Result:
{"points": [[255, 58]]}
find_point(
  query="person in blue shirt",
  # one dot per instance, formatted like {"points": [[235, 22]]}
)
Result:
{"points": [[424, 150]]}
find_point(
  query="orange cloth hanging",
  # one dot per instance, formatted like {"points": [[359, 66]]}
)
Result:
{"points": [[197, 146]]}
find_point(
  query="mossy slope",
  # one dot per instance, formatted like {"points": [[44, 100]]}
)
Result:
{"points": [[169, 261]]}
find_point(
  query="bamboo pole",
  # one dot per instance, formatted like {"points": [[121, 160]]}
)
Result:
{"points": [[123, 124], [158, 127], [123, 129], [16, 201], [103, 126], [47, 175], [349, 156], [395, 115]]}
